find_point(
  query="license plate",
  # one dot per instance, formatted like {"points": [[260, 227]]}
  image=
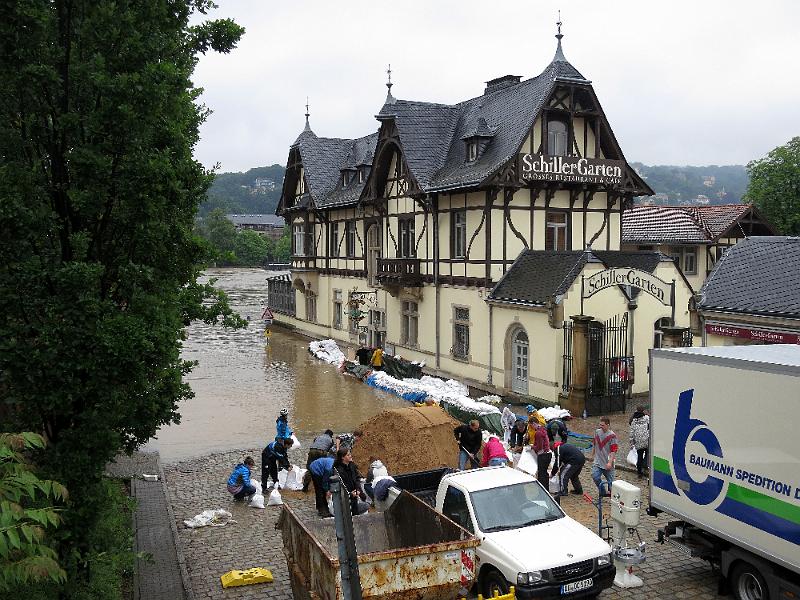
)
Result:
{"points": [[576, 586]]}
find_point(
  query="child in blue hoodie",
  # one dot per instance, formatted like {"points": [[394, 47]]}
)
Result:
{"points": [[239, 482], [282, 424]]}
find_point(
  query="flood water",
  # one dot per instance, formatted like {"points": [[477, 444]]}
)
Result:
{"points": [[243, 380]]}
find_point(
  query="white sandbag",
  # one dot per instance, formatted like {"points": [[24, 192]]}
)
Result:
{"points": [[282, 478], [211, 518], [554, 485], [294, 479], [296, 445], [257, 501], [330, 505], [274, 498], [632, 457], [527, 463], [257, 484]]}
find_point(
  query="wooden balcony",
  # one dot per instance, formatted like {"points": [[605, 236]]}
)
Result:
{"points": [[399, 272]]}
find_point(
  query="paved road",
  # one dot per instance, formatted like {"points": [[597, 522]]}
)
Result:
{"points": [[198, 484]]}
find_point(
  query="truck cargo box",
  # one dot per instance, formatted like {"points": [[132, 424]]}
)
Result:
{"points": [[724, 444], [409, 551]]}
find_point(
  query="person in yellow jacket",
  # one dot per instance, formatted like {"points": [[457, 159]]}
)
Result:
{"points": [[534, 419], [377, 360]]}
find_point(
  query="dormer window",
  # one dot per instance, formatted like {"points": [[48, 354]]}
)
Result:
{"points": [[344, 178], [472, 150], [361, 176]]}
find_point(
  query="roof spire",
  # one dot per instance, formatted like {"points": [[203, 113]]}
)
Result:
{"points": [[308, 127], [389, 98], [559, 53]]}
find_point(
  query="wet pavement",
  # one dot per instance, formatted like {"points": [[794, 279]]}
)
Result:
{"points": [[241, 383]]}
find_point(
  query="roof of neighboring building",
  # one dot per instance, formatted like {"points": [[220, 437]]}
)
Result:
{"points": [[681, 224], [432, 136], [538, 275], [759, 275], [256, 220]]}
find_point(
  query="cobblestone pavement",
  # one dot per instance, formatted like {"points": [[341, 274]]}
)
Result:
{"points": [[198, 484]]}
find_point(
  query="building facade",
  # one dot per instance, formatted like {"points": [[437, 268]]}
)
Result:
{"points": [[696, 237], [753, 294], [270, 226], [464, 236]]}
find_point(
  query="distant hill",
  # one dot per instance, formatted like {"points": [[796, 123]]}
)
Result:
{"points": [[676, 185], [254, 192], [257, 191]]}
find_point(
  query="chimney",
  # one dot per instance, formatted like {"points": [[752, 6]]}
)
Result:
{"points": [[501, 83]]}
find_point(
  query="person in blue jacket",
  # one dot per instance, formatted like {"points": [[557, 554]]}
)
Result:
{"points": [[239, 482], [282, 423], [272, 456], [321, 472]]}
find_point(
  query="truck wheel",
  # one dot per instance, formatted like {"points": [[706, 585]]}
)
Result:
{"points": [[493, 581], [748, 584]]}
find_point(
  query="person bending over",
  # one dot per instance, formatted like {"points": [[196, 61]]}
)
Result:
{"points": [[271, 457], [469, 442], [239, 481], [323, 445]]}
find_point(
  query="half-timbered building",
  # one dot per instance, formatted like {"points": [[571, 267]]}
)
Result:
{"points": [[463, 236]]}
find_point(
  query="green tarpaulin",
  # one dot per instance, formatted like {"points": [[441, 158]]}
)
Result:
{"points": [[490, 422]]}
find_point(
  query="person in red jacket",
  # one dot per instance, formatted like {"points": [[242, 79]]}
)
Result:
{"points": [[540, 446], [494, 454]]}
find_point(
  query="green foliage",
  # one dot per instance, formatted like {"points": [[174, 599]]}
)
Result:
{"points": [[775, 186], [682, 183], [25, 514], [220, 231], [109, 565], [283, 247], [236, 193], [99, 261], [252, 248]]}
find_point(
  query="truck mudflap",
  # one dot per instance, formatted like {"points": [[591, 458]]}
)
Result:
{"points": [[581, 587]]}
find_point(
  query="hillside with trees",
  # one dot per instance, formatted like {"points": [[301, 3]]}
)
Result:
{"points": [[724, 184], [254, 192]]}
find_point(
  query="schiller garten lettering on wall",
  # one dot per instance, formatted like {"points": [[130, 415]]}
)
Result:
{"points": [[647, 282], [570, 169]]}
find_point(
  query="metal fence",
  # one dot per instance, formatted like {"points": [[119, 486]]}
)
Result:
{"points": [[280, 294]]}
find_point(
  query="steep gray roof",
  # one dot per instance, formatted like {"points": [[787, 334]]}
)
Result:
{"points": [[537, 275], [683, 224], [432, 136], [759, 275]]}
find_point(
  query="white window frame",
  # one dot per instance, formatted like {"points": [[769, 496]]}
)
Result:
{"points": [[338, 309], [311, 307], [461, 333], [409, 323], [407, 232], [333, 243], [299, 239], [472, 151], [459, 233], [557, 140], [350, 242], [560, 230]]}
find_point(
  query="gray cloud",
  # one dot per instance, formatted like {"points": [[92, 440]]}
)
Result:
{"points": [[683, 82]]}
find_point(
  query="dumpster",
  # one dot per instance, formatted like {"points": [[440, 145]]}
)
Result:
{"points": [[409, 551]]}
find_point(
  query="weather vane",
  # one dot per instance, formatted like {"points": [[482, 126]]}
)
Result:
{"points": [[559, 35], [389, 82]]}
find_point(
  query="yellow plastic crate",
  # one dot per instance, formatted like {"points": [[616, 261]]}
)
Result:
{"points": [[247, 577]]}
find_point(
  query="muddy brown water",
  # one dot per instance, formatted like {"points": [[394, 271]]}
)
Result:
{"points": [[243, 380]]}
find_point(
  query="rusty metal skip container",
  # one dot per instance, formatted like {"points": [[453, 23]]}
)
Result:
{"points": [[409, 552]]}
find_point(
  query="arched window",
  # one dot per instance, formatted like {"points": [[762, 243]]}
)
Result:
{"points": [[557, 138]]}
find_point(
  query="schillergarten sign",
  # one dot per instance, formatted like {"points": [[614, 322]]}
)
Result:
{"points": [[570, 169], [642, 280]]}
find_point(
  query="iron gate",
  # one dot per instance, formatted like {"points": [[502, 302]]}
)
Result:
{"points": [[610, 365]]}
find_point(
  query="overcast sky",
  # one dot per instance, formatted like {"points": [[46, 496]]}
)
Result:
{"points": [[681, 82]]}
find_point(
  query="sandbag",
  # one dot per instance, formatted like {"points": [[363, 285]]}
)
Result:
{"points": [[554, 485], [257, 484], [632, 457], [274, 498], [294, 478], [257, 501], [528, 463], [296, 445]]}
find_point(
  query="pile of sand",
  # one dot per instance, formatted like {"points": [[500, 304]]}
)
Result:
{"points": [[408, 439]]}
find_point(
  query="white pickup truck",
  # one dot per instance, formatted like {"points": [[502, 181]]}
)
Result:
{"points": [[526, 540]]}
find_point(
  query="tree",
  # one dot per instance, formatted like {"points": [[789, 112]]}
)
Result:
{"points": [[251, 248], [775, 186], [283, 247], [25, 555], [98, 259], [220, 231]]}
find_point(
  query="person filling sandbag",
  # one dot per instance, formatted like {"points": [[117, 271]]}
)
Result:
{"points": [[350, 479], [323, 445], [272, 456], [321, 471], [239, 483]]}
